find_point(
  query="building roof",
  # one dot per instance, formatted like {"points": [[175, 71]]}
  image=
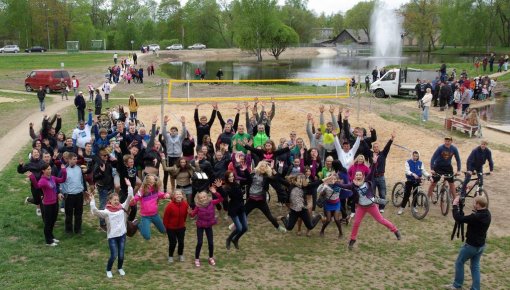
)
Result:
{"points": [[355, 35]]}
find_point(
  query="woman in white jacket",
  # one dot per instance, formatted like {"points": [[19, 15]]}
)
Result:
{"points": [[115, 216], [426, 102]]}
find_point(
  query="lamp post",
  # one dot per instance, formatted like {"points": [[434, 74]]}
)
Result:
{"points": [[47, 26]]}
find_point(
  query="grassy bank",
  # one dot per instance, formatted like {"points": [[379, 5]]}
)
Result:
{"points": [[475, 51], [22, 106]]}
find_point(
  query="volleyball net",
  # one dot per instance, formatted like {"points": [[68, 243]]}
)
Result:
{"points": [[263, 89]]}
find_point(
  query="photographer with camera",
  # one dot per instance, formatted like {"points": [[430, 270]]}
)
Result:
{"points": [[477, 225]]}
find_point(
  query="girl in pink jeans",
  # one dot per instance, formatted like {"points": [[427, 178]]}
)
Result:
{"points": [[366, 202]]}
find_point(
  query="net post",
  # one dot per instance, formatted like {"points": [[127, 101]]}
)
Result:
{"points": [[188, 90], [336, 88], [162, 84]]}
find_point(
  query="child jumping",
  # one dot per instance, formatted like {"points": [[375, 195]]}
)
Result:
{"points": [[115, 215], [204, 211], [174, 220]]}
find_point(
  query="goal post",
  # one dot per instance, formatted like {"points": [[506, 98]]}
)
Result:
{"points": [[263, 89], [73, 46]]}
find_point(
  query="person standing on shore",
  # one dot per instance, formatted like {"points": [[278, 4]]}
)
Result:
{"points": [[75, 83], [107, 89], [115, 57], [375, 74], [426, 101], [80, 104], [491, 62]]}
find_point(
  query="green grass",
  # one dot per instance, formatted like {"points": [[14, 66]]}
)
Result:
{"points": [[27, 62], [470, 50]]}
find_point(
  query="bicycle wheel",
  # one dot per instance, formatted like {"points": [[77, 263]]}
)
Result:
{"points": [[397, 194], [435, 194], [444, 201], [420, 205]]}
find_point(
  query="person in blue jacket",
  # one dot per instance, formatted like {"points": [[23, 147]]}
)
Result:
{"points": [[441, 164], [475, 162]]}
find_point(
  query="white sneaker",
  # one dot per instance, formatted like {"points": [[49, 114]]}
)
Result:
{"points": [[52, 244], [281, 229], [352, 214], [170, 259], [56, 241], [181, 258], [415, 209], [62, 210], [122, 273], [26, 200], [381, 210], [232, 227], [400, 211], [109, 274], [38, 212]]}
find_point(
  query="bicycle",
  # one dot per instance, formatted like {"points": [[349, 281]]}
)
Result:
{"points": [[419, 203], [442, 192], [477, 186]]}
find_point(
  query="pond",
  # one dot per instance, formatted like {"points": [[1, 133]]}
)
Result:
{"points": [[328, 67], [337, 66]]}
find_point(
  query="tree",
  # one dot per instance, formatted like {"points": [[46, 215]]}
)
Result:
{"points": [[421, 20], [503, 12], [281, 39], [358, 17], [296, 15], [254, 23]]}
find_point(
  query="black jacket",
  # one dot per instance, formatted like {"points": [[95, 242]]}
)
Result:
{"points": [[203, 129], [379, 167], [477, 225], [477, 159]]}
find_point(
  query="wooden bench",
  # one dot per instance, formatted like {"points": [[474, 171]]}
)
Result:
{"points": [[461, 125]]}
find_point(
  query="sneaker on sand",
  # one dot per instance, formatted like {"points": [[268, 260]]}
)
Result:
{"points": [[400, 211], [181, 258], [121, 272], [109, 274], [38, 212], [397, 234], [281, 229], [170, 259], [351, 244], [352, 214]]}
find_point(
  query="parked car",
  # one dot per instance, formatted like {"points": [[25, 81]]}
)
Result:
{"points": [[175, 47], [36, 49], [49, 79], [154, 47], [197, 46], [10, 48]]}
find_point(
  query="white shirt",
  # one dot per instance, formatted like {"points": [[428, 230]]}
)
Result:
{"points": [[75, 83], [346, 158], [115, 221], [82, 136], [106, 88], [427, 100]]}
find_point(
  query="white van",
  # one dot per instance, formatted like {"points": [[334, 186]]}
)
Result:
{"points": [[400, 82]]}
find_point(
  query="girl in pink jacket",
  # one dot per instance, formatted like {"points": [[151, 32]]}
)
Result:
{"points": [[204, 211], [148, 196]]}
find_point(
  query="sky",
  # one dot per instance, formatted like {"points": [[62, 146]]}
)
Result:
{"points": [[333, 6]]}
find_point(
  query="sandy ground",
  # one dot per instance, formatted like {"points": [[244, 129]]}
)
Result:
{"points": [[292, 116]]}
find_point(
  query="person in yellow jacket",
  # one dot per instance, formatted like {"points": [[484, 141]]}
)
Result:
{"points": [[133, 107]]}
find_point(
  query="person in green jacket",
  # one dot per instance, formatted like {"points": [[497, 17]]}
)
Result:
{"points": [[261, 137], [240, 139]]}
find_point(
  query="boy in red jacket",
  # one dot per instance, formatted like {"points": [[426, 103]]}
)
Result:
{"points": [[174, 220]]}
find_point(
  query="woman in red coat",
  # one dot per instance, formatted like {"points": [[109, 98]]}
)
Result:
{"points": [[174, 220]]}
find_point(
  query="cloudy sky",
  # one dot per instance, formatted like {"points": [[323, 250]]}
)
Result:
{"points": [[333, 6]]}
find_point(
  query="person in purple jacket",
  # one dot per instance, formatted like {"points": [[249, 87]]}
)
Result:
{"points": [[48, 184], [204, 211]]}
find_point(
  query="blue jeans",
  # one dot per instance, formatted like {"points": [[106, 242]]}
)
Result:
{"points": [[380, 185], [426, 113], [117, 246], [103, 197], [42, 106], [145, 225], [473, 254], [241, 227]]}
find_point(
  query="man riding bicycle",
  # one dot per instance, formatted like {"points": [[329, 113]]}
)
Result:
{"points": [[415, 171], [478, 157], [441, 164]]}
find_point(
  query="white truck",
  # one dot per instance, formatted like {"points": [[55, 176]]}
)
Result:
{"points": [[400, 82]]}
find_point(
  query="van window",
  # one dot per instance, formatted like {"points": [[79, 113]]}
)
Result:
{"points": [[57, 74], [389, 76], [32, 74], [65, 74]]}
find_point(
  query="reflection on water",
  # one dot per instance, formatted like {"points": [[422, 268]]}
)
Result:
{"points": [[498, 113]]}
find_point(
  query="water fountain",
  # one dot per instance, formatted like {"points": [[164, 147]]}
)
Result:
{"points": [[385, 35]]}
